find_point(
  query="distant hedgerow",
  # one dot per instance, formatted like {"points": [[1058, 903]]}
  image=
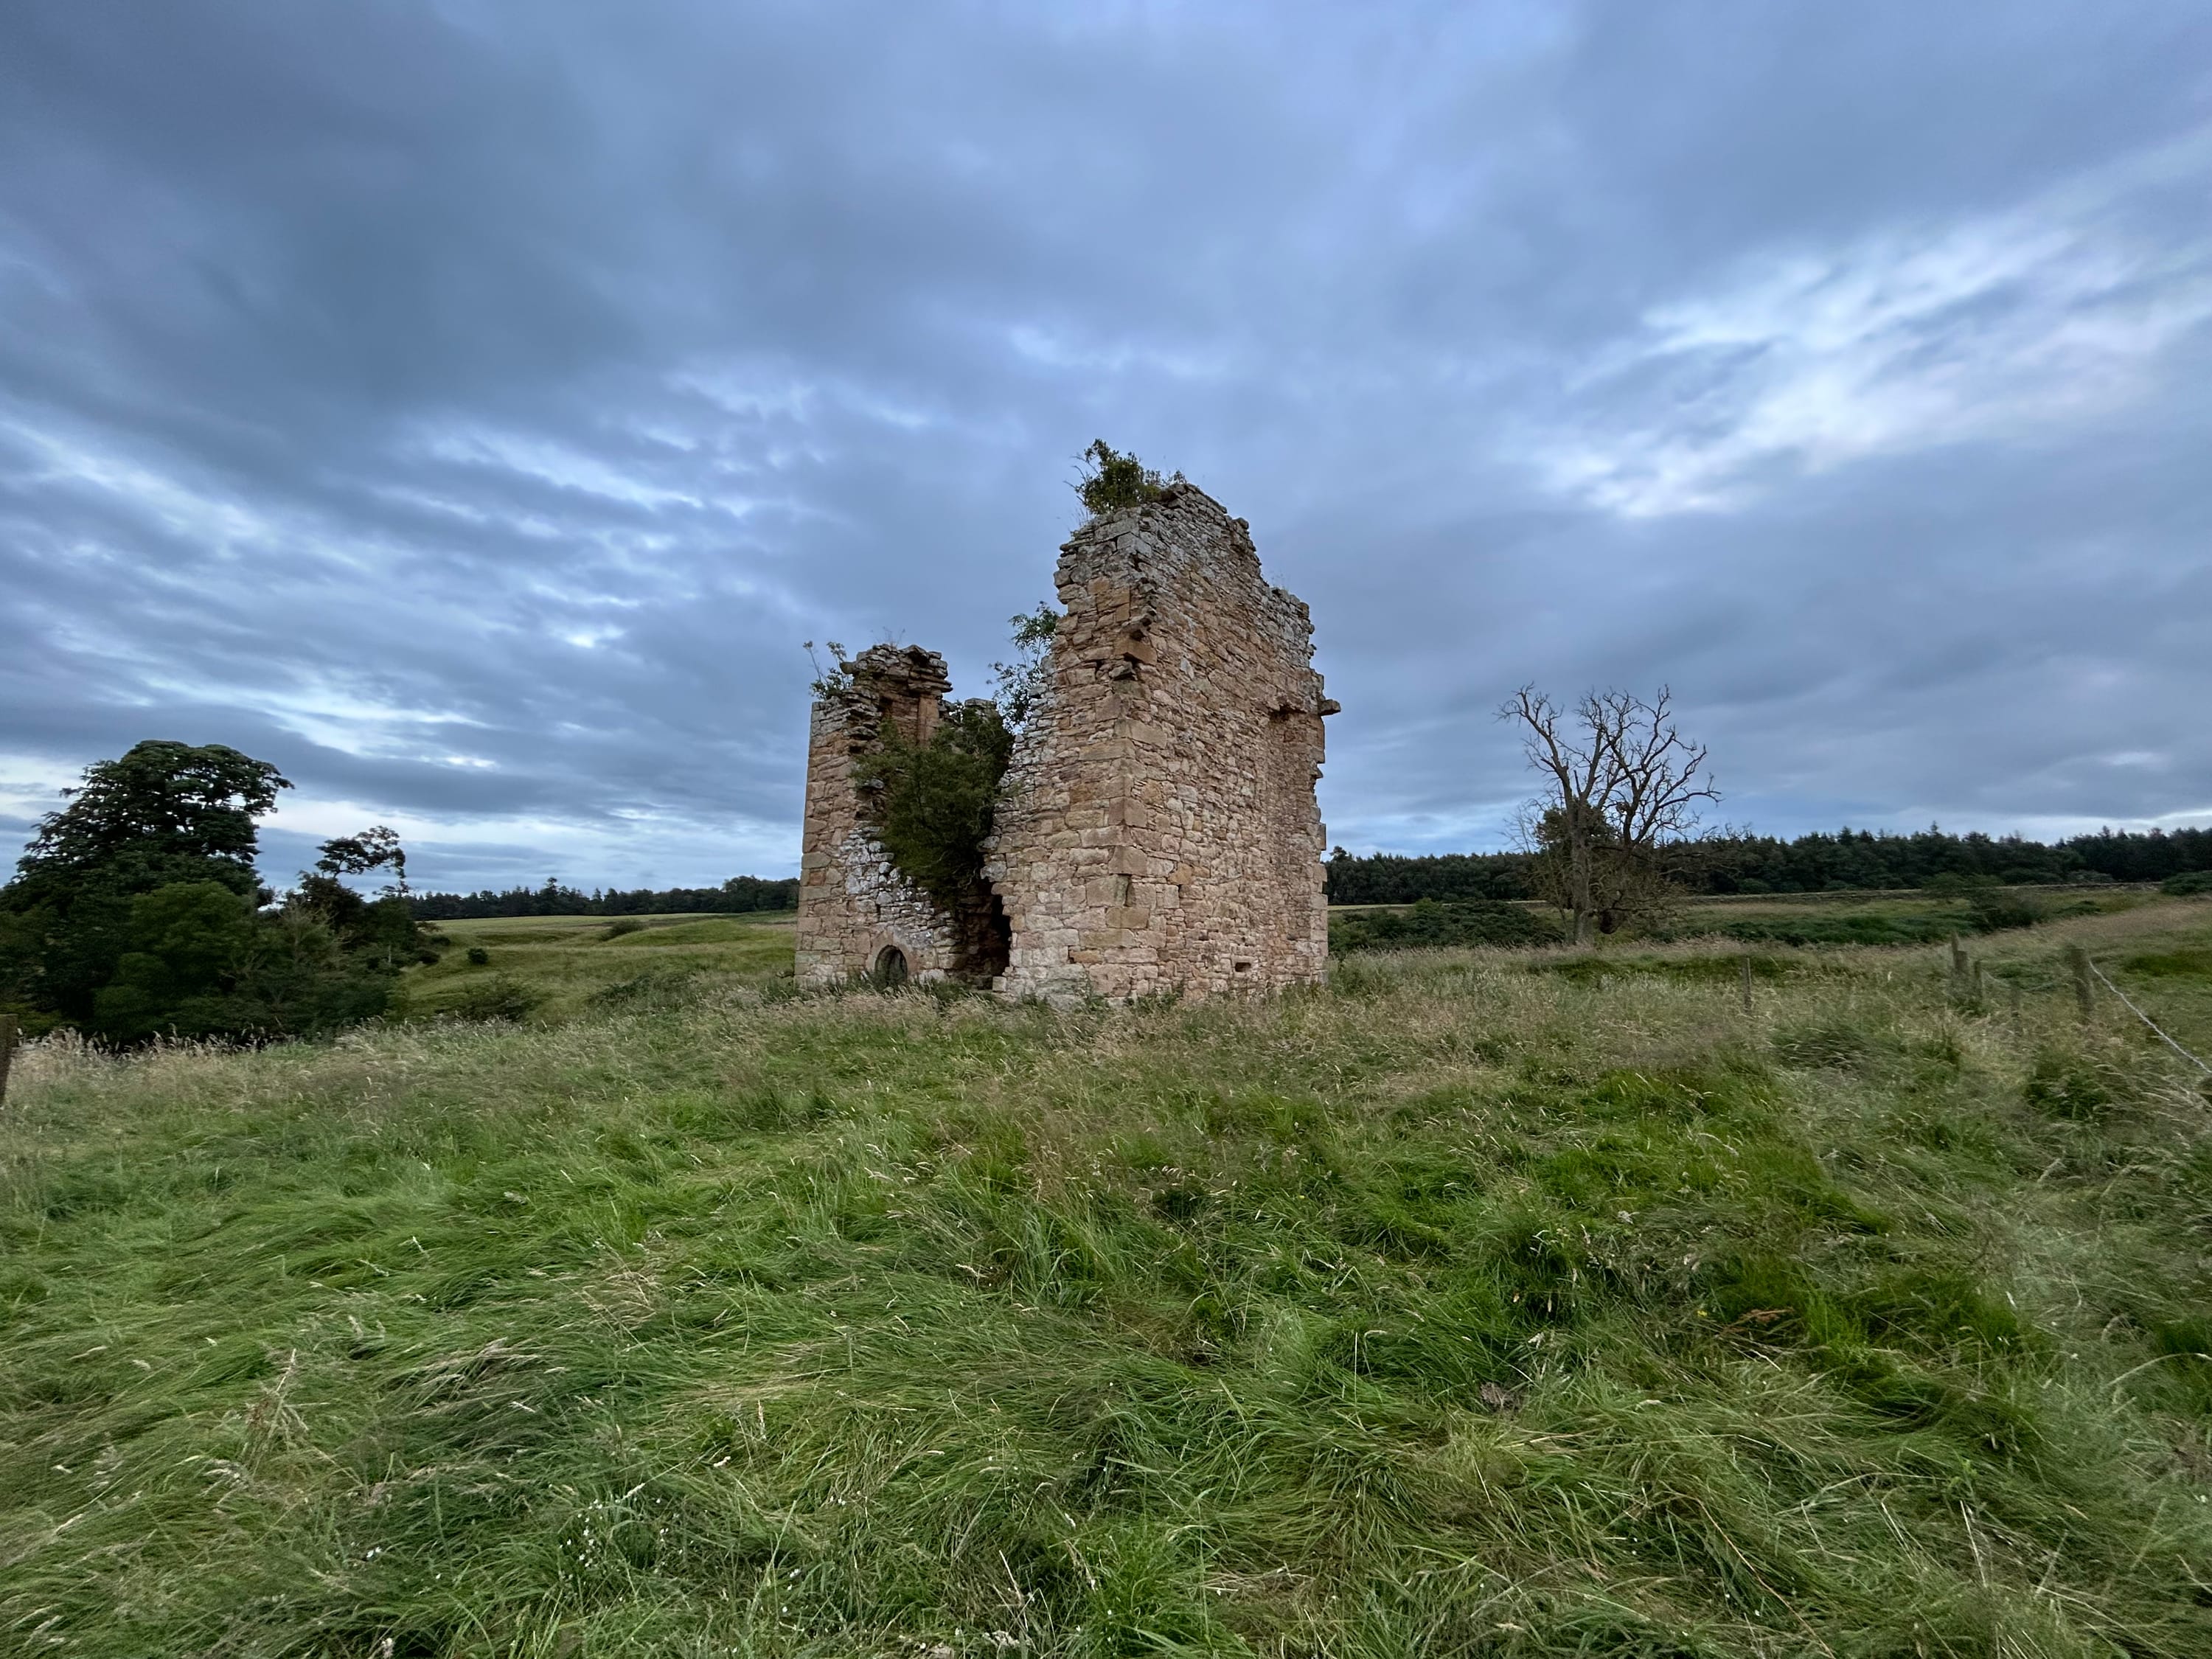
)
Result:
{"points": [[1428, 923]]}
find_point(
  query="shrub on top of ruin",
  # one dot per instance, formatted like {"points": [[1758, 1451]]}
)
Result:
{"points": [[935, 800], [1112, 480]]}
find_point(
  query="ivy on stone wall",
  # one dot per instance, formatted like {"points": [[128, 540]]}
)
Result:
{"points": [[935, 800]]}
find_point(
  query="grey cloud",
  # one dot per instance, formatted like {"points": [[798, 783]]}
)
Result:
{"points": [[471, 406]]}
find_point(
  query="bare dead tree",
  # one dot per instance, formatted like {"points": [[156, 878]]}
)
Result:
{"points": [[1621, 782], [1578, 771]]}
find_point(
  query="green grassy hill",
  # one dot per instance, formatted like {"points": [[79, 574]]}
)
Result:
{"points": [[1487, 1303]]}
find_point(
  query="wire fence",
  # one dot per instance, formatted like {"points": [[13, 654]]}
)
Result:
{"points": [[2149, 1021]]}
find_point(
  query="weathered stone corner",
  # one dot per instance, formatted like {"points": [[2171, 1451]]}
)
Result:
{"points": [[1158, 829]]}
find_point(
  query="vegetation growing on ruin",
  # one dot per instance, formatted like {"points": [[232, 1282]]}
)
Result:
{"points": [[1021, 684], [933, 802], [1501, 1303], [1112, 481]]}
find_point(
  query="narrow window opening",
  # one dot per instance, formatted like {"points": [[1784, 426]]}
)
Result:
{"points": [[1120, 889]]}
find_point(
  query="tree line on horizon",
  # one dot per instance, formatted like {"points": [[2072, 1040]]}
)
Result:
{"points": [[739, 895], [1844, 860], [1822, 861]]}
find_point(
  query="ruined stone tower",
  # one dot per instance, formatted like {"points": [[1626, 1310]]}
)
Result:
{"points": [[1160, 829], [857, 913], [1156, 830]]}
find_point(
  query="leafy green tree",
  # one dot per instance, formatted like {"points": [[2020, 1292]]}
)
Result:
{"points": [[382, 930], [203, 963], [137, 913], [376, 848], [186, 944], [165, 813]]}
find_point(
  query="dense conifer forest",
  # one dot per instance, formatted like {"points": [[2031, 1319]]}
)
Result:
{"points": [[738, 895], [1850, 859]]}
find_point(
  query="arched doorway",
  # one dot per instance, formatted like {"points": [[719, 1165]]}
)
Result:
{"points": [[891, 967]]}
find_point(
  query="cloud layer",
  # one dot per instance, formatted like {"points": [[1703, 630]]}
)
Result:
{"points": [[471, 407]]}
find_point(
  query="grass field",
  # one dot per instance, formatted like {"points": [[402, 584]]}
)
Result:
{"points": [[1487, 1303], [1904, 917], [1899, 918], [570, 963]]}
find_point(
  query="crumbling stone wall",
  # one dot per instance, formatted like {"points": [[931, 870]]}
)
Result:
{"points": [[1158, 830], [853, 905]]}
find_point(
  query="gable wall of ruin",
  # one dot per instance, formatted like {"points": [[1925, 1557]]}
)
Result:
{"points": [[1159, 830]]}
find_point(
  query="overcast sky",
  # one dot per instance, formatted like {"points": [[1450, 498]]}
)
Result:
{"points": [[471, 407]]}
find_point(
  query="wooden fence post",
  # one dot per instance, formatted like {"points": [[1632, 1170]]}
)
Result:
{"points": [[2085, 989], [1747, 982], [7, 1052]]}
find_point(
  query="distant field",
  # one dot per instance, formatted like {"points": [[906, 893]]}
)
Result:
{"points": [[1901, 917], [568, 961], [2158, 952]]}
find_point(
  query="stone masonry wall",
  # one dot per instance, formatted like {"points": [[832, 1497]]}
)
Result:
{"points": [[852, 905], [1159, 830]]}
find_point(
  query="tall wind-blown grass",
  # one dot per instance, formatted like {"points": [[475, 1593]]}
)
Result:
{"points": [[1481, 1304]]}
